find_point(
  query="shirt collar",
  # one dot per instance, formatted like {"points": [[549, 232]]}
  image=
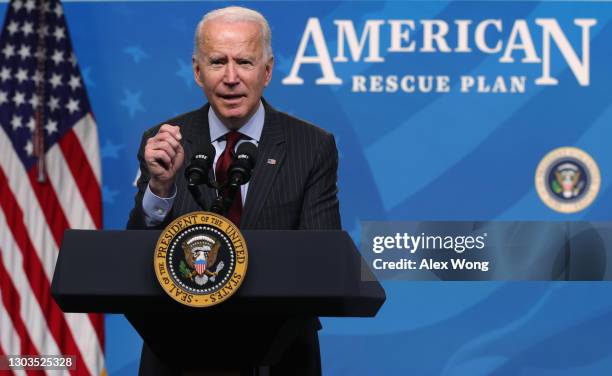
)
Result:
{"points": [[251, 129]]}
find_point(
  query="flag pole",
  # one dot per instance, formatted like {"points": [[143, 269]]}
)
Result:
{"points": [[38, 139]]}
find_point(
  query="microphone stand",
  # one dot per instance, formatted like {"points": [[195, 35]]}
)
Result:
{"points": [[221, 204], [197, 195], [193, 185]]}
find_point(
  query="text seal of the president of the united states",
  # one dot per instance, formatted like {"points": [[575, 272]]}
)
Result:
{"points": [[200, 259]]}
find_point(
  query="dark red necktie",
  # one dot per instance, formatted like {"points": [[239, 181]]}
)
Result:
{"points": [[223, 164]]}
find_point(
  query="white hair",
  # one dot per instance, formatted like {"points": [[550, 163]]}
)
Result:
{"points": [[237, 14]]}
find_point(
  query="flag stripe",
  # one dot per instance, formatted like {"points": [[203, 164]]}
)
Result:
{"points": [[11, 344], [38, 282], [87, 134], [29, 311], [87, 338], [3, 353], [55, 219], [69, 196], [84, 176], [8, 342], [19, 182], [12, 302]]}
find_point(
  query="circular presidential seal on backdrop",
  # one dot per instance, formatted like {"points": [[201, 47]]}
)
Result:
{"points": [[567, 180], [200, 259]]}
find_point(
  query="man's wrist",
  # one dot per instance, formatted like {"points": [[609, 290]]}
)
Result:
{"points": [[160, 188], [156, 208]]}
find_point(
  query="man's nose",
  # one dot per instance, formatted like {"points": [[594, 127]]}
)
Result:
{"points": [[231, 74]]}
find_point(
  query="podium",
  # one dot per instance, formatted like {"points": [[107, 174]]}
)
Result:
{"points": [[293, 277]]}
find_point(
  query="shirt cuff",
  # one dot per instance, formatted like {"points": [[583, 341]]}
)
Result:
{"points": [[156, 208]]}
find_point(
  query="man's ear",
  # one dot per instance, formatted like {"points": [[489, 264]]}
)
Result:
{"points": [[269, 67], [197, 71]]}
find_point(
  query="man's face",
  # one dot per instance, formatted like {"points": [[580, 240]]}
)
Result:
{"points": [[231, 69]]}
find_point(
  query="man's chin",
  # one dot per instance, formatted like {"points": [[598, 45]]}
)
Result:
{"points": [[233, 116]]}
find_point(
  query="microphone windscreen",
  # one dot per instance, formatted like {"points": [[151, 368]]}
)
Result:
{"points": [[206, 155], [248, 148]]}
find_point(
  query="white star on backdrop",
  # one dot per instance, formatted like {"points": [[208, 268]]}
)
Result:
{"points": [[22, 75], [51, 127], [8, 51], [73, 105], [29, 148], [19, 99], [59, 33], [34, 101], [58, 10], [13, 27], [5, 74], [53, 103], [74, 83], [17, 5], [57, 57], [30, 5], [27, 28], [31, 124], [56, 80], [24, 52], [16, 122], [73, 59]]}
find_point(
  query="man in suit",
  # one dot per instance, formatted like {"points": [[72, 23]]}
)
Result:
{"points": [[293, 185]]}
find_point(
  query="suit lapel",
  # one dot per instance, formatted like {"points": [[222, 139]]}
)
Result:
{"points": [[197, 134], [271, 154]]}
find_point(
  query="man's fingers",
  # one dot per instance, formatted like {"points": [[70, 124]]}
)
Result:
{"points": [[173, 130], [180, 151], [160, 157], [180, 156], [169, 138], [164, 150], [157, 145], [165, 146]]}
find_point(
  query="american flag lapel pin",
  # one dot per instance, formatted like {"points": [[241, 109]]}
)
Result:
{"points": [[271, 161]]}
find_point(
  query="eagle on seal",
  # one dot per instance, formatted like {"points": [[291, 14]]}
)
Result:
{"points": [[568, 178], [201, 254]]}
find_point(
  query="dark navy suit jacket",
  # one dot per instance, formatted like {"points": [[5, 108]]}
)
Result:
{"points": [[293, 186]]}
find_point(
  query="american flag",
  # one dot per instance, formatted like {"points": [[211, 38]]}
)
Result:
{"points": [[49, 182]]}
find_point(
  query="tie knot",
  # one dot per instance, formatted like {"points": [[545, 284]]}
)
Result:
{"points": [[232, 138]]}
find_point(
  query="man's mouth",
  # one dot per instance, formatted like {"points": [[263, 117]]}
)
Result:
{"points": [[231, 97]]}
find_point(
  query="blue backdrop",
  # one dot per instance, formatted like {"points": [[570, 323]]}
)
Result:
{"points": [[403, 156]]}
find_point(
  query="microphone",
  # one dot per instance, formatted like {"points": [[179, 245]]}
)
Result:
{"points": [[197, 172], [201, 162], [244, 161]]}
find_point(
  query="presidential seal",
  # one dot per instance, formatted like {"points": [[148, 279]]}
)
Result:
{"points": [[567, 180], [200, 259]]}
